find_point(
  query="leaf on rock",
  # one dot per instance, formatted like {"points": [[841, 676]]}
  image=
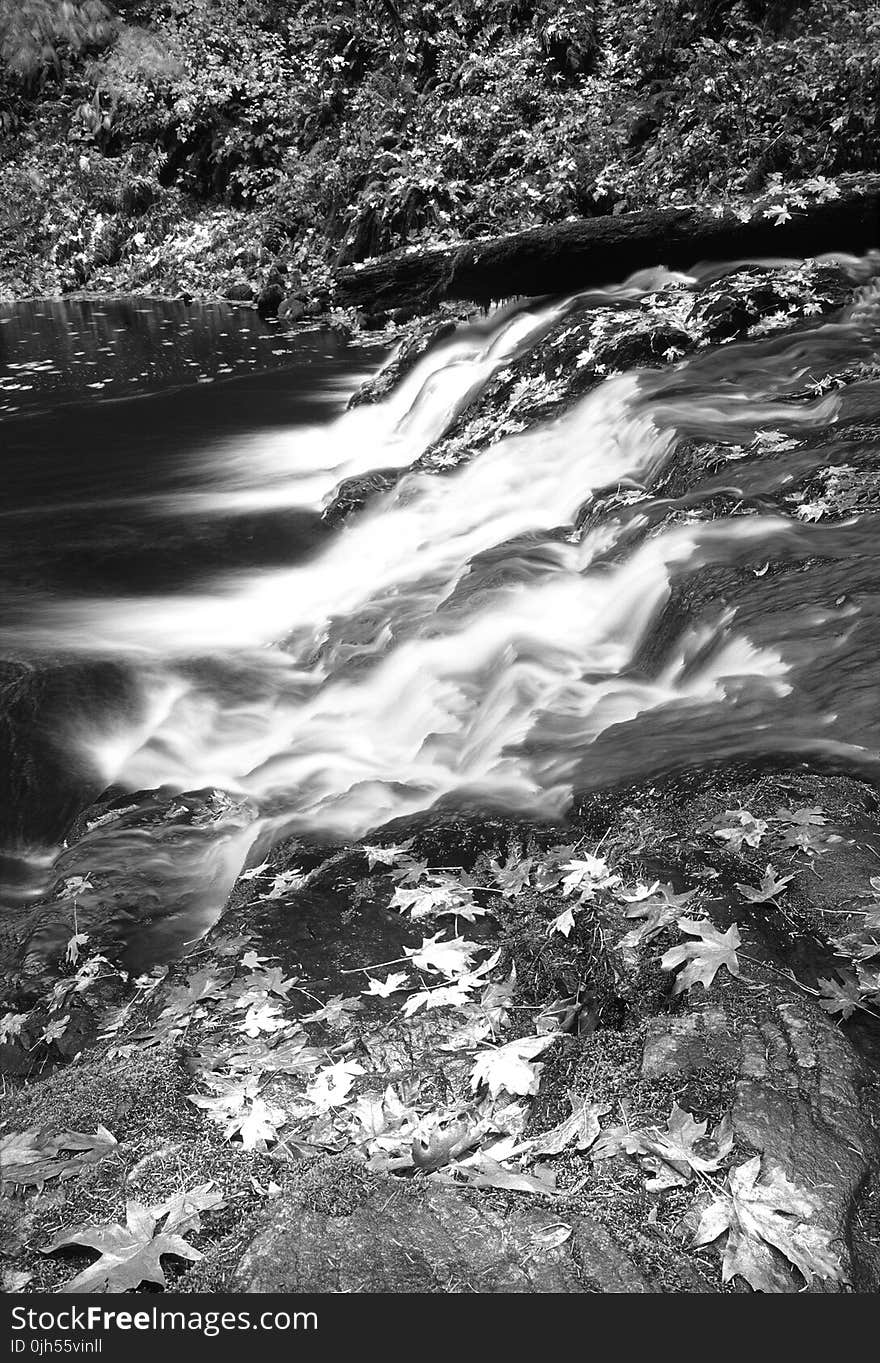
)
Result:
{"points": [[513, 875], [704, 957], [743, 827], [257, 1124], [585, 875], [764, 1217], [445, 956], [182, 1210], [335, 1012], [385, 856], [563, 923], [394, 981], [481, 1171], [130, 1254], [331, 1085], [658, 910], [683, 1149], [771, 885], [841, 995], [32, 1157], [580, 1130], [508, 1067]]}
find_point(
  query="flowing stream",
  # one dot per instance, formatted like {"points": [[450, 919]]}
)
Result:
{"points": [[176, 616]]}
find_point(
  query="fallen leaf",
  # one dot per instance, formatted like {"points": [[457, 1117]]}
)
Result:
{"points": [[744, 828], [182, 1210], [579, 1130], [507, 1067], [771, 885], [513, 876], [331, 1085], [32, 1157], [704, 957], [257, 1124], [393, 982], [841, 995], [130, 1254], [760, 1218]]}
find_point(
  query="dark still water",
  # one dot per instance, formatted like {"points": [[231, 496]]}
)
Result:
{"points": [[179, 625]]}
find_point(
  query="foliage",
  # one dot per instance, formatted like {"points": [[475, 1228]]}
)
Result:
{"points": [[358, 129]]}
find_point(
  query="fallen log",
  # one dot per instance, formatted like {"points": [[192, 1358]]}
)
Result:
{"points": [[572, 255]]}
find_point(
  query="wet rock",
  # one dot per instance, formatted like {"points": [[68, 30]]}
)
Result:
{"points": [[804, 1098], [243, 292], [271, 296], [292, 309], [415, 1238], [402, 362]]}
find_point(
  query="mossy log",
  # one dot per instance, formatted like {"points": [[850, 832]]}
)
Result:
{"points": [[594, 251]]}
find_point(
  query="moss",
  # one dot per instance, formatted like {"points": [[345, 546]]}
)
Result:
{"points": [[332, 1184], [130, 1095]]}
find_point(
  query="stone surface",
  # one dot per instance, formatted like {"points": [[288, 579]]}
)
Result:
{"points": [[408, 1238], [804, 1098]]}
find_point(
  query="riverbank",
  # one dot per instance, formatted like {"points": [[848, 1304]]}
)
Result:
{"points": [[556, 1075], [473, 1019]]}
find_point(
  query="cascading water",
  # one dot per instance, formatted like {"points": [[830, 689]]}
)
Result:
{"points": [[471, 637]]}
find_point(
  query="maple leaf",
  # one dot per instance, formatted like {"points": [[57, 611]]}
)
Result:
{"points": [[203, 985], [335, 1012], [482, 1171], [446, 996], [442, 895], [78, 940], [409, 872], [182, 1210], [257, 1124], [331, 1085], [262, 1017], [842, 995], [11, 1025], [507, 1067], [673, 1153], [53, 1030], [286, 880], [252, 961], [586, 875], [513, 875], [397, 979], [254, 871], [659, 909], [32, 1157], [760, 1218], [747, 829], [446, 956], [769, 888], [229, 1097], [704, 957], [580, 1129], [562, 923], [130, 1254], [385, 856]]}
